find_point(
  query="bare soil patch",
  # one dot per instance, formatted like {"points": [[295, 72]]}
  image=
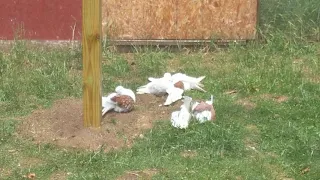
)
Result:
{"points": [[5, 173], [251, 139], [309, 74], [59, 175], [135, 175], [29, 162], [62, 124], [253, 129], [246, 103], [278, 99], [189, 153]]}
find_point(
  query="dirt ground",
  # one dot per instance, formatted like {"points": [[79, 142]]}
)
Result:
{"points": [[62, 124]]}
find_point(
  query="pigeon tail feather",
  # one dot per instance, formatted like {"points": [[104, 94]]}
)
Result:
{"points": [[211, 100], [199, 79], [142, 90], [199, 87]]}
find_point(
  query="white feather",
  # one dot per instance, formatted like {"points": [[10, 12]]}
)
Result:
{"points": [[107, 103], [211, 100], [188, 81], [156, 86], [203, 116], [119, 109], [194, 105], [166, 76], [174, 94]]}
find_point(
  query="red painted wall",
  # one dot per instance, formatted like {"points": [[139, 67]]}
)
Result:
{"points": [[40, 19]]}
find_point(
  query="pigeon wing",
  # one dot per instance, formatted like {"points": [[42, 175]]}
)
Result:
{"points": [[124, 103], [108, 103], [174, 94]]}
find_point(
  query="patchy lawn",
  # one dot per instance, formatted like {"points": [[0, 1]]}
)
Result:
{"points": [[266, 99]]}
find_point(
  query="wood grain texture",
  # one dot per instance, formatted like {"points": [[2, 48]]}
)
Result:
{"points": [[189, 19], [91, 54], [179, 19]]}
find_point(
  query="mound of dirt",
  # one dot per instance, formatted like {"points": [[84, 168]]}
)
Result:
{"points": [[62, 124]]}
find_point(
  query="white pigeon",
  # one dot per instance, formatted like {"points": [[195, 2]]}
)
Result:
{"points": [[203, 111], [120, 101], [180, 119], [156, 86], [188, 81]]}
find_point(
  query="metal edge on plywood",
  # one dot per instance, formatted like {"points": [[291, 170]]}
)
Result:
{"points": [[173, 42], [77, 43]]}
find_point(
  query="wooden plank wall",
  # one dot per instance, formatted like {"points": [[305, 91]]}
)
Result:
{"points": [[179, 19]]}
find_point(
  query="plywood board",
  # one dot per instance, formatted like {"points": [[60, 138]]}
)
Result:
{"points": [[179, 19], [139, 19], [217, 19], [238, 19], [121, 18], [189, 19], [160, 19]]}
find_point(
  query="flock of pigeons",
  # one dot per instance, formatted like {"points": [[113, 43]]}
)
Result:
{"points": [[123, 99]]}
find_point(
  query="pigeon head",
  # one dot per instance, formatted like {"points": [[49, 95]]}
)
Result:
{"points": [[123, 91], [119, 89], [187, 102], [187, 99]]}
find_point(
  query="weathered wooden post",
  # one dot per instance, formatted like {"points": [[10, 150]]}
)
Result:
{"points": [[91, 54]]}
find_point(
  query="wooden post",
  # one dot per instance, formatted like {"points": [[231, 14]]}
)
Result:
{"points": [[91, 54]]}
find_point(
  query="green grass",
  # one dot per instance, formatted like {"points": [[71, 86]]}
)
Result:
{"points": [[30, 79], [271, 141]]}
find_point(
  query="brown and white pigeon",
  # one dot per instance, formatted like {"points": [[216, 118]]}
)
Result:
{"points": [[122, 101], [163, 86], [204, 111], [171, 85]]}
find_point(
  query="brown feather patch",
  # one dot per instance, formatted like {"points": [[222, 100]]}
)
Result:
{"points": [[203, 106], [124, 101], [179, 84]]}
